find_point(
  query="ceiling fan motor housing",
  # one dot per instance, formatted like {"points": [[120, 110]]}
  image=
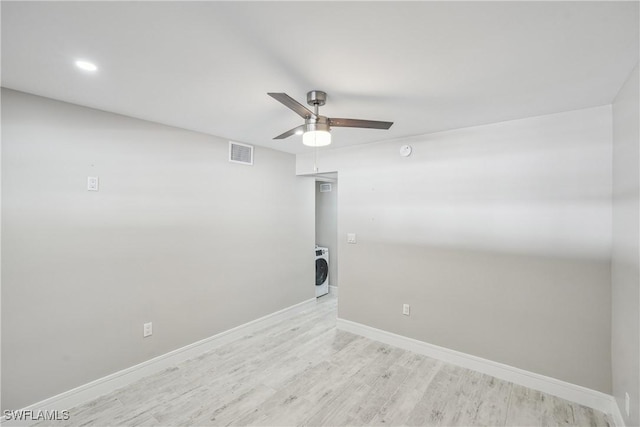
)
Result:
{"points": [[316, 97]]}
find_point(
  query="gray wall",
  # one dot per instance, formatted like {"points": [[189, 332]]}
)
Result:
{"points": [[625, 340], [176, 235], [499, 237], [327, 226]]}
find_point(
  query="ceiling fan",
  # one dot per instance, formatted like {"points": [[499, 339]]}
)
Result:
{"points": [[316, 128]]}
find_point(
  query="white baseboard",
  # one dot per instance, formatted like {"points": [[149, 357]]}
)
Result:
{"points": [[333, 290], [572, 392], [102, 386]]}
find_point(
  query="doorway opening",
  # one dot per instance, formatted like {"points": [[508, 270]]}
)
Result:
{"points": [[326, 189]]}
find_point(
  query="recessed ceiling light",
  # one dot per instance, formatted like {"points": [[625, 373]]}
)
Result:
{"points": [[86, 66]]}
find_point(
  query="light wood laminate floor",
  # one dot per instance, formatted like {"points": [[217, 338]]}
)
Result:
{"points": [[303, 371]]}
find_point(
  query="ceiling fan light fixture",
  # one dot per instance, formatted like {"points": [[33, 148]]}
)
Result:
{"points": [[316, 138], [317, 128]]}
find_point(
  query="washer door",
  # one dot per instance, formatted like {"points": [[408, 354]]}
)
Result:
{"points": [[322, 271]]}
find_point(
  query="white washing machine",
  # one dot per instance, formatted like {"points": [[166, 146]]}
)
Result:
{"points": [[322, 271]]}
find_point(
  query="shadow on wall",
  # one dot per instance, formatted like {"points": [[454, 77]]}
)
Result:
{"points": [[539, 190]]}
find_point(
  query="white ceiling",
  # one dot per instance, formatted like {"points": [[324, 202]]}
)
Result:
{"points": [[427, 66]]}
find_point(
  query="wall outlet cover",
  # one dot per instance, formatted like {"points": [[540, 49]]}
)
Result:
{"points": [[406, 309], [147, 330], [92, 183]]}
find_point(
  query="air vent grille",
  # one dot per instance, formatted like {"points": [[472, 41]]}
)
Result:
{"points": [[325, 188], [240, 153]]}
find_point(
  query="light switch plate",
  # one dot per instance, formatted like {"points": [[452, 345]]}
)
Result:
{"points": [[351, 238]]}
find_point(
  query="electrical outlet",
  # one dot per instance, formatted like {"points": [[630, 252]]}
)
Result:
{"points": [[627, 403], [406, 309], [147, 330], [92, 183]]}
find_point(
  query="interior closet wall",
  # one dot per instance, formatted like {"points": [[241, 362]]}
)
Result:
{"points": [[327, 225]]}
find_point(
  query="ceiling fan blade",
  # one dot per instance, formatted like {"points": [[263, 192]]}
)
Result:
{"points": [[287, 134], [357, 123], [288, 101]]}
